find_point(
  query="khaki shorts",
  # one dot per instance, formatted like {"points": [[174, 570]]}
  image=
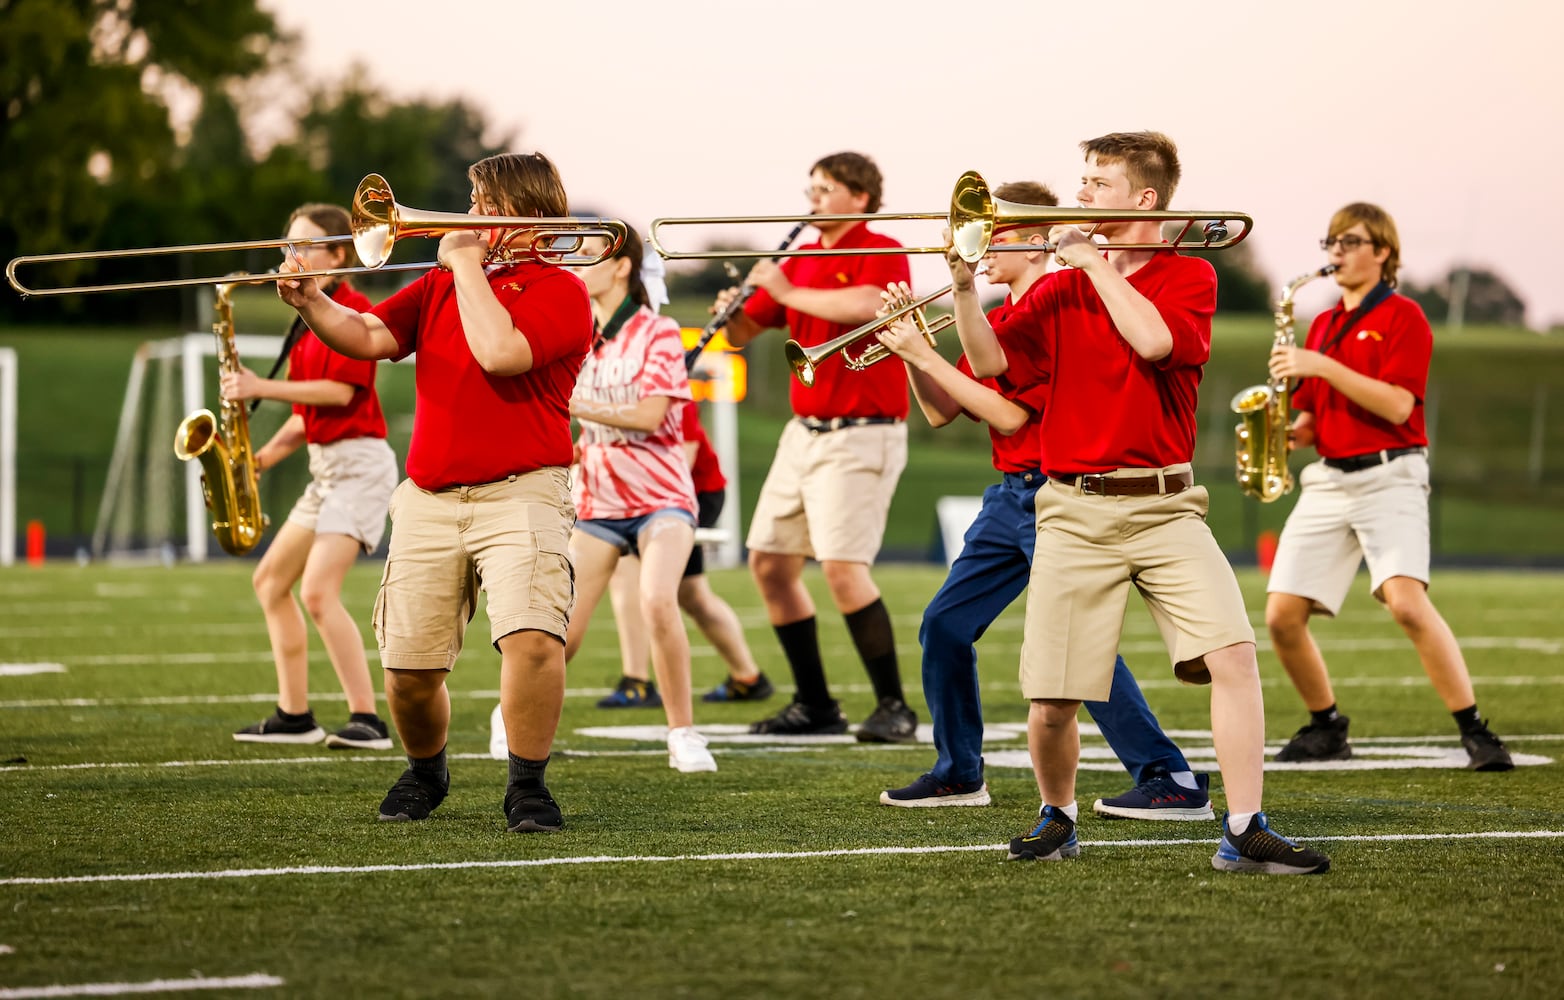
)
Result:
{"points": [[349, 491], [509, 539], [827, 495], [1090, 549], [1379, 514]]}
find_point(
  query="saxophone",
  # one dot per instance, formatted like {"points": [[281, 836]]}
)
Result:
{"points": [[1264, 414], [228, 476]]}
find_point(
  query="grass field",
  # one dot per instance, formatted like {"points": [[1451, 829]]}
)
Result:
{"points": [[139, 843]]}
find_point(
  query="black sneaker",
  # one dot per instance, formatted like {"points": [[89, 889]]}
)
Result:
{"points": [[1160, 797], [275, 729], [1487, 751], [926, 792], [736, 690], [1318, 741], [531, 810], [890, 722], [1052, 839], [631, 693], [361, 733], [1260, 850], [799, 719], [412, 797]]}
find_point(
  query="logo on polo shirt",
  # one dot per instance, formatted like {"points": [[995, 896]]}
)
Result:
{"points": [[1366, 334], [842, 278]]}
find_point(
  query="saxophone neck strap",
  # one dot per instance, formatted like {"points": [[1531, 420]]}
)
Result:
{"points": [[1351, 318], [294, 333]]}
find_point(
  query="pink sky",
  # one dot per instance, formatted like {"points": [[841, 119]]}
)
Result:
{"points": [[1442, 112]]}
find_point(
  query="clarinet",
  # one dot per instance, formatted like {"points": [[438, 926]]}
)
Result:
{"points": [[722, 318]]}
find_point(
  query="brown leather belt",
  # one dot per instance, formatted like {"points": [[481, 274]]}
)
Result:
{"points": [[1128, 486]]}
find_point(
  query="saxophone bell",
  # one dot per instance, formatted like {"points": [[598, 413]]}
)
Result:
{"points": [[1264, 413]]}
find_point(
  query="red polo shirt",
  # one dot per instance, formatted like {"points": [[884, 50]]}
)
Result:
{"points": [[472, 427], [838, 391], [1392, 343], [311, 360], [706, 471], [1021, 451], [1110, 408]]}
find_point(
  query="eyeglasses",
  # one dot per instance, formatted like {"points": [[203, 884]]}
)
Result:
{"points": [[1348, 243], [818, 190]]}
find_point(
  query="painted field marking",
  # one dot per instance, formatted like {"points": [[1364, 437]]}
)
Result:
{"points": [[609, 859], [1004, 687], [24, 669], [253, 981]]}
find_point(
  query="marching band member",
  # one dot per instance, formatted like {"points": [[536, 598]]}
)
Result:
{"points": [[1120, 505], [498, 350], [1360, 404], [829, 490], [336, 415]]}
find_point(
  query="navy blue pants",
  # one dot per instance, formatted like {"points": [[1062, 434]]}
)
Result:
{"points": [[992, 571]]}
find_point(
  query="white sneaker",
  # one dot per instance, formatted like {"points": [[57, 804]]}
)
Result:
{"points": [[499, 749], [687, 751]]}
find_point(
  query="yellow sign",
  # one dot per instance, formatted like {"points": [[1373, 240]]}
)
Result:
{"points": [[720, 374]]}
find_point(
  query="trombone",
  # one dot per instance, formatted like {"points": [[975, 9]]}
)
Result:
{"points": [[378, 221], [974, 218], [805, 360]]}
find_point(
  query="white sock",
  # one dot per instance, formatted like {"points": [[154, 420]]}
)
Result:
{"points": [[1072, 810], [1184, 779], [1237, 823]]}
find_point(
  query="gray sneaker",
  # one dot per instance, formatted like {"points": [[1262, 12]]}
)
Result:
{"points": [[1318, 741], [891, 722], [363, 732], [275, 729]]}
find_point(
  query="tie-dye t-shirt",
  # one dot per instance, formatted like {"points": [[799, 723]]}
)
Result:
{"points": [[627, 473]]}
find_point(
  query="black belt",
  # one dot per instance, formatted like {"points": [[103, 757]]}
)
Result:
{"points": [[814, 425], [1128, 486], [1358, 463]]}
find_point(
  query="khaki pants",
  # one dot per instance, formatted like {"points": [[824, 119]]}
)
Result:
{"points": [[1090, 549], [508, 539], [828, 495]]}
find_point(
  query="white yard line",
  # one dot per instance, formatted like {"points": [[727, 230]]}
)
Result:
{"points": [[270, 697], [254, 981], [609, 859]]}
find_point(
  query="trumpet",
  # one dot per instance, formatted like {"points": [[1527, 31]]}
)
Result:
{"points": [[378, 221], [805, 360], [975, 216]]}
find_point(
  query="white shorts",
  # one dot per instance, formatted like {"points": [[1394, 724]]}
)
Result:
{"points": [[349, 491], [1379, 514]]}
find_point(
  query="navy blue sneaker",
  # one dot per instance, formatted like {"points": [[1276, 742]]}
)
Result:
{"points": [[1160, 797], [1052, 839], [1258, 849], [631, 693], [731, 689], [928, 792]]}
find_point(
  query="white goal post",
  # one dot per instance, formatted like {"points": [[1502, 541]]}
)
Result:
{"points": [[7, 455]]}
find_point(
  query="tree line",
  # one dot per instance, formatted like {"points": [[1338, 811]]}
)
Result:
{"points": [[93, 158]]}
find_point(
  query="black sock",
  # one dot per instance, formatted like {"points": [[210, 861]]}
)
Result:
{"points": [[305, 716], [367, 717], [432, 769], [871, 632], [526, 773], [1468, 719], [801, 645], [1326, 716]]}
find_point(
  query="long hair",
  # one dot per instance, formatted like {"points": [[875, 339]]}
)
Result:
{"points": [[520, 184]]}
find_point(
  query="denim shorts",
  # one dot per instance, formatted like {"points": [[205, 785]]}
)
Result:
{"points": [[624, 532]]}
